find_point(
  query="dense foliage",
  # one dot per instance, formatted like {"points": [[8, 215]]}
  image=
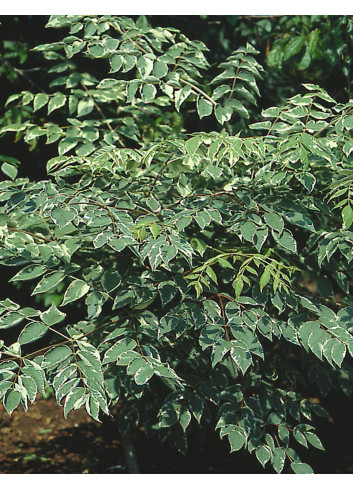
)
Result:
{"points": [[169, 268]]}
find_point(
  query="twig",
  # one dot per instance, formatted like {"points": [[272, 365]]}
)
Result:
{"points": [[98, 108], [30, 234], [197, 89]]}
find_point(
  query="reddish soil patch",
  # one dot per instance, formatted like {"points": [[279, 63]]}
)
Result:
{"points": [[41, 440]]}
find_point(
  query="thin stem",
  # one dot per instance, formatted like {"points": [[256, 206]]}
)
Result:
{"points": [[133, 42], [98, 108], [234, 79], [30, 234], [197, 89]]}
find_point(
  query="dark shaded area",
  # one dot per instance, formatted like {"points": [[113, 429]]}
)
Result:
{"points": [[41, 441]]}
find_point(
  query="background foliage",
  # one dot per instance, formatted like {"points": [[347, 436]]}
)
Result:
{"points": [[178, 234]]}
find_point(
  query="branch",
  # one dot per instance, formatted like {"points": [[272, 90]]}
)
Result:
{"points": [[197, 89], [30, 234]]}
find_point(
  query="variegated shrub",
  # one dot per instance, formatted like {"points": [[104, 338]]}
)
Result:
{"points": [[167, 269]]}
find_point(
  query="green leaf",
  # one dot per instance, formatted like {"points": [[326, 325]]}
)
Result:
{"points": [[10, 320], [313, 40], [37, 374], [10, 159], [116, 62], [56, 355], [32, 332], [307, 180], [30, 386], [239, 108], [28, 273], [314, 440], [238, 285], [57, 101], [283, 433], [52, 316], [143, 374], [66, 144], [299, 219], [204, 107], [237, 440], [301, 468], [9, 170], [223, 113], [196, 406], [144, 65], [274, 221], [299, 436], [263, 454], [181, 96], [248, 230], [304, 63], [160, 69], [167, 291], [225, 263], [85, 149], [74, 399], [279, 457], [293, 47], [107, 83], [192, 144], [211, 274], [135, 364], [265, 125], [241, 357], [11, 400], [338, 353], [347, 216], [76, 290], [185, 417], [348, 147], [48, 282], [348, 122], [259, 238], [40, 100], [264, 279], [275, 56], [148, 92], [286, 240], [95, 50], [85, 107], [121, 346], [110, 280]]}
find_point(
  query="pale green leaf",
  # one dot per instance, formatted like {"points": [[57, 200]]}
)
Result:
{"points": [[56, 355], [204, 107], [76, 290], [236, 439], [9, 170], [48, 282], [52, 316], [347, 216], [32, 332], [301, 468]]}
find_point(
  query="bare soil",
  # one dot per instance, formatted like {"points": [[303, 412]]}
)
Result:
{"points": [[42, 441]]}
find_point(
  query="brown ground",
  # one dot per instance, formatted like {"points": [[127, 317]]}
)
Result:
{"points": [[41, 440]]}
